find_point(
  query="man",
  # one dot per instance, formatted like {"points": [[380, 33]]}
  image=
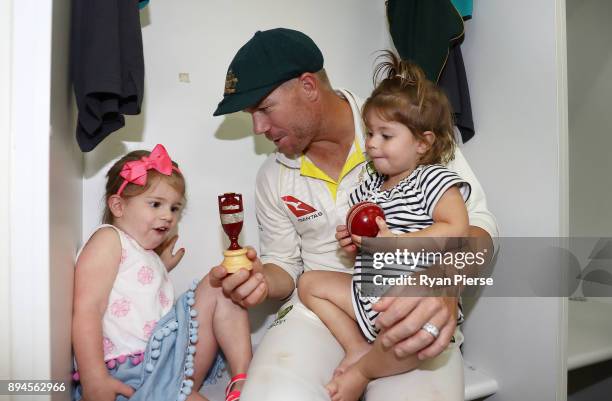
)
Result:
{"points": [[301, 199]]}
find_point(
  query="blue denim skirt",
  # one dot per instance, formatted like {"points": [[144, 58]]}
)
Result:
{"points": [[168, 364]]}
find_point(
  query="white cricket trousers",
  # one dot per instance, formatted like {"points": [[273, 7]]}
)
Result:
{"points": [[298, 355]]}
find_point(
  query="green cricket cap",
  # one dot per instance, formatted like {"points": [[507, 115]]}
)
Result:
{"points": [[266, 61]]}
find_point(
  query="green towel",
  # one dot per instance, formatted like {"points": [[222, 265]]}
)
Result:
{"points": [[464, 7], [423, 31]]}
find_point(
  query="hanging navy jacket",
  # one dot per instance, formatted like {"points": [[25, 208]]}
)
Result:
{"points": [[453, 81], [107, 66]]}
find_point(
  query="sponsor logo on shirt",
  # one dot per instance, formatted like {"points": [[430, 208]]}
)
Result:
{"points": [[280, 316], [303, 211]]}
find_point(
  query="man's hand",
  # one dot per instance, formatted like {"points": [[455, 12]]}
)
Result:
{"points": [[401, 319], [246, 288], [345, 241], [165, 253]]}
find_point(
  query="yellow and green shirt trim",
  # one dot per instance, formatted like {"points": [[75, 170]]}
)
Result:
{"points": [[309, 169]]}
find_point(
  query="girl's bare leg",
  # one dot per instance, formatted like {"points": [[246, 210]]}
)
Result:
{"points": [[328, 294], [206, 347], [378, 362], [233, 332]]}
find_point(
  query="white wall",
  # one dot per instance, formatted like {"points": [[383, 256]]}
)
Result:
{"points": [[45, 190], [589, 52], [589, 42], [65, 197], [29, 196], [5, 112], [514, 61], [220, 154]]}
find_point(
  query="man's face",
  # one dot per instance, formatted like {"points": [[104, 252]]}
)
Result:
{"points": [[285, 118]]}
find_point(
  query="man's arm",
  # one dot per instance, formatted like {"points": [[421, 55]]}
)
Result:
{"points": [[275, 275], [478, 212], [402, 317], [279, 242], [280, 283]]}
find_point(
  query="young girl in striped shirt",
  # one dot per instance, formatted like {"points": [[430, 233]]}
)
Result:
{"points": [[410, 136]]}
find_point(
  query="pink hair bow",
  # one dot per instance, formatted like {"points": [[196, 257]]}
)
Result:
{"points": [[135, 172]]}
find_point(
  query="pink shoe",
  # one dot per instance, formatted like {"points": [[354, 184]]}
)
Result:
{"points": [[234, 395]]}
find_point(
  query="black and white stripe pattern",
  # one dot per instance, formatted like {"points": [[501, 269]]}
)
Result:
{"points": [[408, 207]]}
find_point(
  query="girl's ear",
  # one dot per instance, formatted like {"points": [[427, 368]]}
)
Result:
{"points": [[116, 205], [426, 142]]}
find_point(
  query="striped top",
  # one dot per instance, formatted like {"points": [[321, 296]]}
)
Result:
{"points": [[408, 208]]}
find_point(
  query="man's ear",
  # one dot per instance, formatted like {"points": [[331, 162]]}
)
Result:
{"points": [[309, 85], [116, 205], [426, 142]]}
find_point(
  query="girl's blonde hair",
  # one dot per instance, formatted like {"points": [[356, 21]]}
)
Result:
{"points": [[406, 96], [114, 181]]}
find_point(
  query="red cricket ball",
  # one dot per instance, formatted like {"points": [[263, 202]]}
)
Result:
{"points": [[361, 219]]}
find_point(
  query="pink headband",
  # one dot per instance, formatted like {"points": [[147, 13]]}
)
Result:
{"points": [[135, 172]]}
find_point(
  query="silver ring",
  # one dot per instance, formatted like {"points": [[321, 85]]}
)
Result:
{"points": [[431, 329]]}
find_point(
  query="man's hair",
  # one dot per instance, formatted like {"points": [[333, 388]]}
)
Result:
{"points": [[322, 75]]}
